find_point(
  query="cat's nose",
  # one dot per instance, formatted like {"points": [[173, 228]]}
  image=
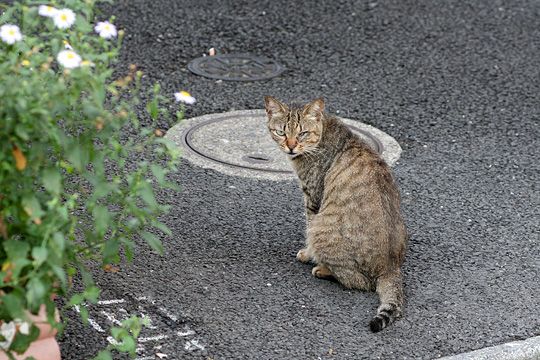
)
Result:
{"points": [[291, 144]]}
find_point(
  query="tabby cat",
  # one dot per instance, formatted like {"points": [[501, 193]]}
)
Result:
{"points": [[355, 232]]}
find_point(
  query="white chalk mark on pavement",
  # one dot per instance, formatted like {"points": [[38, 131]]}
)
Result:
{"points": [[109, 302], [168, 314], [185, 333], [193, 345], [159, 335], [94, 324], [112, 341], [152, 338], [111, 318]]}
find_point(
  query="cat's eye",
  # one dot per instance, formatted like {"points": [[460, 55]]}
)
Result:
{"points": [[303, 134], [279, 132]]}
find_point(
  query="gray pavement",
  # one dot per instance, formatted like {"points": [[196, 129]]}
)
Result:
{"points": [[456, 83]]}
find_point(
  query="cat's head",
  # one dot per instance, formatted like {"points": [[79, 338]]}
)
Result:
{"points": [[296, 130]]}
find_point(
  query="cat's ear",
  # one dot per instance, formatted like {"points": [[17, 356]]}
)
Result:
{"points": [[314, 109], [274, 107]]}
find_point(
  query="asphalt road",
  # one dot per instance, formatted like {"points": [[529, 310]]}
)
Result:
{"points": [[456, 83]]}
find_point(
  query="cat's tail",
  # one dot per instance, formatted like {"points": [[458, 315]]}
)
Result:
{"points": [[390, 290]]}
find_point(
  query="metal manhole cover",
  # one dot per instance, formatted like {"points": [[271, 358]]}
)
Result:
{"points": [[238, 143], [236, 67]]}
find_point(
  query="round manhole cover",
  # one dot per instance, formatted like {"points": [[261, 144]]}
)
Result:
{"points": [[236, 67], [238, 143]]}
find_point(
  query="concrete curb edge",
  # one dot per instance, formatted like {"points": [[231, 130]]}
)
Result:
{"points": [[527, 349]]}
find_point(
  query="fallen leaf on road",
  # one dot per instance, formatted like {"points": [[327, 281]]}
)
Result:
{"points": [[110, 268]]}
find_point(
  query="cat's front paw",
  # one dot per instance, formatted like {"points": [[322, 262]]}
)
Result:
{"points": [[322, 272], [303, 256]]}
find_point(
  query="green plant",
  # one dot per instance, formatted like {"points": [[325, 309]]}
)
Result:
{"points": [[73, 186]]}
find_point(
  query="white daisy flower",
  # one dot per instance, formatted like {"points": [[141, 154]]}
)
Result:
{"points": [[69, 59], [47, 11], [10, 34], [105, 29], [22, 326], [185, 97], [7, 330], [63, 19]]}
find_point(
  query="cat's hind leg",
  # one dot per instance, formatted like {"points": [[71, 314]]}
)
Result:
{"points": [[351, 278]]}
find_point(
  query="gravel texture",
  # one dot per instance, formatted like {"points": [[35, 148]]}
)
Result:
{"points": [[456, 83]]}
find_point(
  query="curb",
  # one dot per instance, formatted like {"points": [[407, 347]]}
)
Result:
{"points": [[528, 349]]}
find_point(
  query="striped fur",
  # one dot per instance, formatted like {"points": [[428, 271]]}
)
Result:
{"points": [[355, 231]]}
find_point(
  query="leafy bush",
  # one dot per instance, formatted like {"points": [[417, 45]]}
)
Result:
{"points": [[73, 186]]}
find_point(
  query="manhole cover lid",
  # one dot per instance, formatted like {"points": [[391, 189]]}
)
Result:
{"points": [[236, 67], [237, 143]]}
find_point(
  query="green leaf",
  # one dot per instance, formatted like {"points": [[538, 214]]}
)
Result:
{"points": [[147, 194], [153, 110], [129, 248], [110, 251], [35, 291], [32, 207], [179, 115], [21, 132], [16, 249], [102, 189], [78, 155], [52, 181], [7, 15], [90, 110], [58, 242], [76, 299], [59, 273], [82, 25], [163, 228], [119, 333], [92, 294], [153, 241], [71, 271], [102, 217], [19, 264], [158, 172], [83, 313], [40, 255], [135, 324], [171, 185], [104, 355], [13, 303], [128, 344]]}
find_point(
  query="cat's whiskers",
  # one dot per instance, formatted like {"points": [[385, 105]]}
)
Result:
{"points": [[312, 153], [309, 155]]}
